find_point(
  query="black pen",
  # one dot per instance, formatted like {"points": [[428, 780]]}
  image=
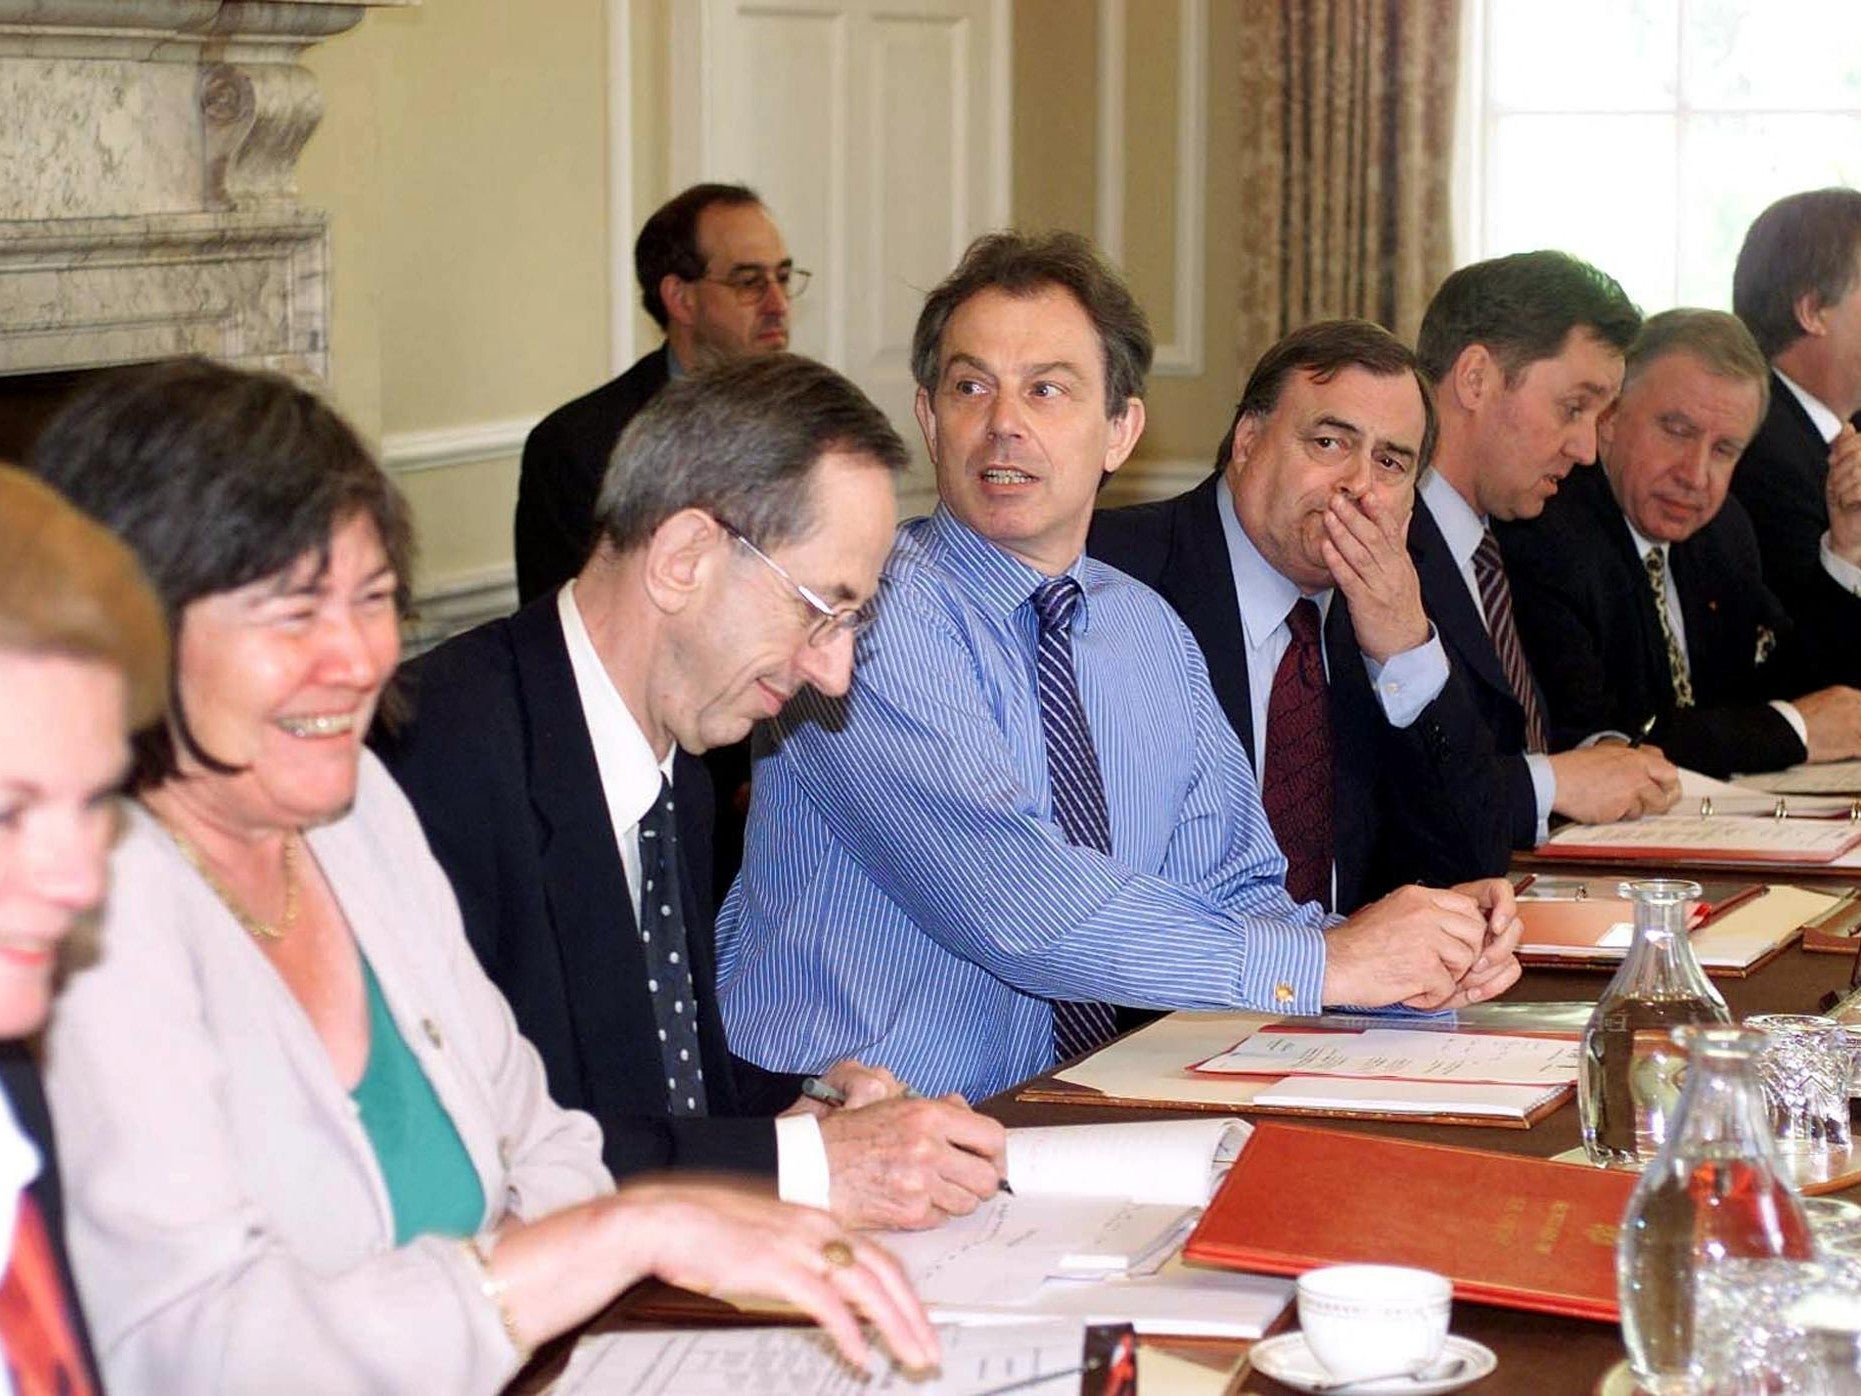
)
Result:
{"points": [[1642, 735]]}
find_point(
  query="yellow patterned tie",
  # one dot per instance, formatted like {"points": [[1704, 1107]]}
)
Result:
{"points": [[1656, 564]]}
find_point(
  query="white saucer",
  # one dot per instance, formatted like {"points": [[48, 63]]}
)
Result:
{"points": [[1287, 1359]]}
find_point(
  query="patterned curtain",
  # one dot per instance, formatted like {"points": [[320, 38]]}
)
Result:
{"points": [[1346, 161]]}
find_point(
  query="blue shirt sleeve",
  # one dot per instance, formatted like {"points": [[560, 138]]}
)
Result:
{"points": [[916, 777]]}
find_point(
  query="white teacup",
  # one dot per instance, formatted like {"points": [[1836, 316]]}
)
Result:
{"points": [[1370, 1320]]}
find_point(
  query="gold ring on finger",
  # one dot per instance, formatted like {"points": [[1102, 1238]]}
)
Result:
{"points": [[838, 1254]]}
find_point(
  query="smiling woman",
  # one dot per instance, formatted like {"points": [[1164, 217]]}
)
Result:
{"points": [[342, 1171], [83, 653]]}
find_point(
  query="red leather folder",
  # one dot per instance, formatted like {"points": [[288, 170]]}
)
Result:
{"points": [[1519, 1232]]}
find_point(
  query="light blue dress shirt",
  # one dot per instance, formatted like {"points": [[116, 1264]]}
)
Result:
{"points": [[906, 897]]}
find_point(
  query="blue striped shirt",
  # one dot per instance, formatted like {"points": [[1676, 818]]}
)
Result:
{"points": [[906, 896]]}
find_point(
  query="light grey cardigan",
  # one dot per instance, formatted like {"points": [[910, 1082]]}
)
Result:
{"points": [[228, 1224]]}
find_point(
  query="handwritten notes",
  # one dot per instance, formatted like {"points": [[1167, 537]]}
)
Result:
{"points": [[1398, 1054]]}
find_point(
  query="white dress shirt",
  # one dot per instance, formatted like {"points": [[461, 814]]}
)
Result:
{"points": [[1828, 425], [630, 782], [1461, 528]]}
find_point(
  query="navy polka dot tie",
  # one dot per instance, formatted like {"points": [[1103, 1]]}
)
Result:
{"points": [[668, 957]]}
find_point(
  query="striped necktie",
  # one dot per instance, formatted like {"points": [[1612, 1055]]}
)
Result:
{"points": [[1656, 563], [1078, 787], [1489, 571]]}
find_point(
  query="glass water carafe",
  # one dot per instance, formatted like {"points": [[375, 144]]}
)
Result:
{"points": [[1628, 1071], [1714, 1192]]}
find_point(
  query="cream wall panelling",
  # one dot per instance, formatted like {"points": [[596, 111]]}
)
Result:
{"points": [[1182, 354], [409, 452], [878, 132], [622, 226]]}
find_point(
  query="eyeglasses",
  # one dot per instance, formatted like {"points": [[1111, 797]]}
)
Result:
{"points": [[829, 622], [751, 284]]}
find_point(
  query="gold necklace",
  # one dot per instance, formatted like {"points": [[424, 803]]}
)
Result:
{"points": [[261, 930]]}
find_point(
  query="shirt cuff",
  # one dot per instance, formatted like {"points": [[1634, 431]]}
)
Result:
{"points": [[1283, 968], [1847, 576], [1795, 719], [1410, 681], [801, 1174], [1543, 789]]}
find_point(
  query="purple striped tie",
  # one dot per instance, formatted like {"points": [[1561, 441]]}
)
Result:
{"points": [[1078, 787], [1496, 600]]}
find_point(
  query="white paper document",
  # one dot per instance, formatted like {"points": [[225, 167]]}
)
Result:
{"points": [[1425, 1098], [803, 1362], [1720, 836], [1823, 778], [1179, 1301], [1177, 1161], [1009, 1246], [1399, 1054], [1702, 795]]}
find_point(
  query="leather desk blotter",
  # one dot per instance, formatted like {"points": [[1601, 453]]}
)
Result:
{"points": [[1519, 1232]]}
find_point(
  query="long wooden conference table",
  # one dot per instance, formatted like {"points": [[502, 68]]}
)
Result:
{"points": [[1539, 1354]]}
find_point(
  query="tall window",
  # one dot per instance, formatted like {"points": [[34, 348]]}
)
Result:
{"points": [[1645, 135]]}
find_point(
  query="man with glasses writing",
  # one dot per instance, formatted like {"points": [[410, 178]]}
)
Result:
{"points": [[742, 526], [716, 276]]}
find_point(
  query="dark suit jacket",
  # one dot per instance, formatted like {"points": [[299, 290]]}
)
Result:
{"points": [[1586, 614], [499, 764], [1780, 481], [19, 1078], [1463, 632], [564, 458], [1411, 804]]}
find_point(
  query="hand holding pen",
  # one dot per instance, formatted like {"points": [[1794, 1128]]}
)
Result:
{"points": [[896, 1159]]}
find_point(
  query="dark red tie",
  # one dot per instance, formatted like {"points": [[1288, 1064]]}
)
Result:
{"points": [[35, 1318], [1295, 784]]}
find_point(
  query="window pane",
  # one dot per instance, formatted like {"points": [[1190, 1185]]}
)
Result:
{"points": [[1582, 55], [1731, 168], [1803, 55], [1601, 187]]}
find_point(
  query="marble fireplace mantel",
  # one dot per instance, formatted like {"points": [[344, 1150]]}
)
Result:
{"points": [[150, 202]]}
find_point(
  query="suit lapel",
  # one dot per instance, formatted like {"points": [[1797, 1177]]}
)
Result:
{"points": [[1450, 604], [590, 905], [1200, 585]]}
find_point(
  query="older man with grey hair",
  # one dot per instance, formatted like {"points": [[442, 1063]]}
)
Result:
{"points": [[1638, 591], [550, 758]]}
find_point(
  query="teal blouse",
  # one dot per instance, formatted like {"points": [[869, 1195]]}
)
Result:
{"points": [[432, 1185]]}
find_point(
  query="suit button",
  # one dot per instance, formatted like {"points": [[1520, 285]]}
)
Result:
{"points": [[431, 1029]]}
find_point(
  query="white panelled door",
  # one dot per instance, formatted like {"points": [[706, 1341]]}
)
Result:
{"points": [[878, 133]]}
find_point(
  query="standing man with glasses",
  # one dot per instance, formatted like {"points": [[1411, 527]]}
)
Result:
{"points": [[1029, 808], [715, 274], [717, 278], [549, 756]]}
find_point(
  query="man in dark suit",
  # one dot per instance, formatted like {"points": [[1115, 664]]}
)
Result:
{"points": [[742, 530], [1524, 353], [1797, 287], [1639, 590], [715, 275], [1288, 566]]}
